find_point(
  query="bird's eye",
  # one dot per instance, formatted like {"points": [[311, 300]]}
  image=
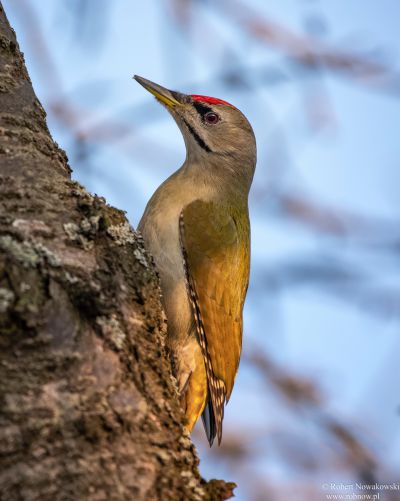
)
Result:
{"points": [[211, 118]]}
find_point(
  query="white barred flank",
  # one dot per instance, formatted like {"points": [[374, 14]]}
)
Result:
{"points": [[216, 386]]}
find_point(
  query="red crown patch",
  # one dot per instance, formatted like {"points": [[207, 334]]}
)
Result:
{"points": [[210, 100]]}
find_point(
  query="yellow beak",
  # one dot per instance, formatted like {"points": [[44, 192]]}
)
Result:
{"points": [[161, 93]]}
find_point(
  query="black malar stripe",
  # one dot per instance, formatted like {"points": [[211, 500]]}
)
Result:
{"points": [[199, 140]]}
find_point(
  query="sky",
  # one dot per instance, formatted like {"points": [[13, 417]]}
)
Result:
{"points": [[350, 162]]}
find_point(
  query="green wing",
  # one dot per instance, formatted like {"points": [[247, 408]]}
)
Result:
{"points": [[216, 249]]}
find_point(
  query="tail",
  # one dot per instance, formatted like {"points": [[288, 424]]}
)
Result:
{"points": [[208, 418]]}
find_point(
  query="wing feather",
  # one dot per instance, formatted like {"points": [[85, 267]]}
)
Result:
{"points": [[215, 248]]}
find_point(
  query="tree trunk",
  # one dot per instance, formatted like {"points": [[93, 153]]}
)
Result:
{"points": [[89, 409]]}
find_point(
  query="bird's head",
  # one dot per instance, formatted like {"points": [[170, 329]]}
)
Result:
{"points": [[215, 132]]}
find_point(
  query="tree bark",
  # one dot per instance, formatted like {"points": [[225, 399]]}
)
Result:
{"points": [[89, 409]]}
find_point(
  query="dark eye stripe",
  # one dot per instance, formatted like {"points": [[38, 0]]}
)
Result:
{"points": [[199, 140], [201, 108]]}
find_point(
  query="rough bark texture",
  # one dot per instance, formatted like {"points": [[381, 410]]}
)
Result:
{"points": [[88, 407]]}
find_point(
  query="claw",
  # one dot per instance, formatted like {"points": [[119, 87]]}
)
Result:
{"points": [[183, 387]]}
